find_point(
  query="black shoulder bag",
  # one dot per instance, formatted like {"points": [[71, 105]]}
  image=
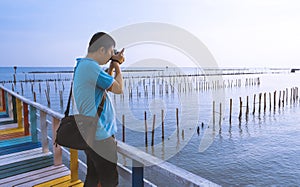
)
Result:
{"points": [[78, 131]]}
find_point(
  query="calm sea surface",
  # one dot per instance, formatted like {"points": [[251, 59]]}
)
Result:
{"points": [[260, 149]]}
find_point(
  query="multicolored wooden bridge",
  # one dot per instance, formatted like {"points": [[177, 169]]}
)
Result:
{"points": [[26, 159]]}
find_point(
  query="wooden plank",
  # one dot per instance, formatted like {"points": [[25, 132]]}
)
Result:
{"points": [[4, 119], [31, 173], [11, 135], [55, 181], [21, 156], [19, 147], [69, 183], [79, 185], [25, 166], [3, 115], [11, 130], [15, 141], [42, 179], [30, 179], [33, 151], [21, 164], [8, 126]]}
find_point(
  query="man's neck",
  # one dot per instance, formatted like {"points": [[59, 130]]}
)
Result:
{"points": [[92, 56]]}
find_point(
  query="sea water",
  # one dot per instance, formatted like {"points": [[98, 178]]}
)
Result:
{"points": [[260, 149]]}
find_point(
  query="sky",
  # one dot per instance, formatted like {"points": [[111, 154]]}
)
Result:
{"points": [[237, 33]]}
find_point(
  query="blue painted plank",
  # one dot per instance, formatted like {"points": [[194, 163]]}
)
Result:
{"points": [[25, 166], [14, 141], [3, 115], [19, 147]]}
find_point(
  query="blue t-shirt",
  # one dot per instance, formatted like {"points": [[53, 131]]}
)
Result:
{"points": [[90, 82]]}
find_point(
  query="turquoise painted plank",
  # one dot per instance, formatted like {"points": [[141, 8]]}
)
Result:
{"points": [[14, 141], [19, 147], [25, 166], [29, 162]]}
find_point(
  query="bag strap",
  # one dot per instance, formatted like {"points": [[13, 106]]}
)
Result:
{"points": [[99, 109], [69, 100]]}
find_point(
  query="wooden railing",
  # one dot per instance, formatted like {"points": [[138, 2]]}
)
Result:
{"points": [[14, 104]]}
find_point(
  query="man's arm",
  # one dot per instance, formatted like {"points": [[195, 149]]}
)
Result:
{"points": [[117, 86]]}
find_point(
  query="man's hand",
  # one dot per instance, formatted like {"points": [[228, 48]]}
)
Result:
{"points": [[119, 57]]}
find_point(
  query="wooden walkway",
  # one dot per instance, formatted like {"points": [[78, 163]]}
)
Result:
{"points": [[24, 163]]}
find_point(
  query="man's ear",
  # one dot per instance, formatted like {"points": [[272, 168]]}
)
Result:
{"points": [[101, 50]]}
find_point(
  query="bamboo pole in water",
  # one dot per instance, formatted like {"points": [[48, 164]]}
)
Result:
{"points": [[270, 100], [274, 100], [230, 110], [254, 104], [177, 119], [123, 128], [265, 102], [291, 96], [214, 111], [34, 96], [283, 96], [241, 105], [153, 129], [146, 138], [247, 106], [220, 119], [259, 103], [287, 95], [162, 125]]}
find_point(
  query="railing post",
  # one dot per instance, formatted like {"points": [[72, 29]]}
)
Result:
{"points": [[137, 174], [14, 108], [33, 124], [25, 114], [44, 133], [74, 164], [9, 105], [2, 101], [56, 148], [19, 113]]}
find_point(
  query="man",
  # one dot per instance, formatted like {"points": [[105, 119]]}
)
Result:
{"points": [[90, 83]]}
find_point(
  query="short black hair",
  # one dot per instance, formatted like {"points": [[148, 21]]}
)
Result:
{"points": [[101, 39]]}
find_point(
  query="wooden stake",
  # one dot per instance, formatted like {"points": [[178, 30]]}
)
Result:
{"points": [[259, 103], [177, 119], [153, 128], [123, 128], [241, 105], [254, 104], [265, 102], [247, 106], [274, 100], [230, 110], [146, 138], [214, 111], [270, 100], [162, 125]]}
